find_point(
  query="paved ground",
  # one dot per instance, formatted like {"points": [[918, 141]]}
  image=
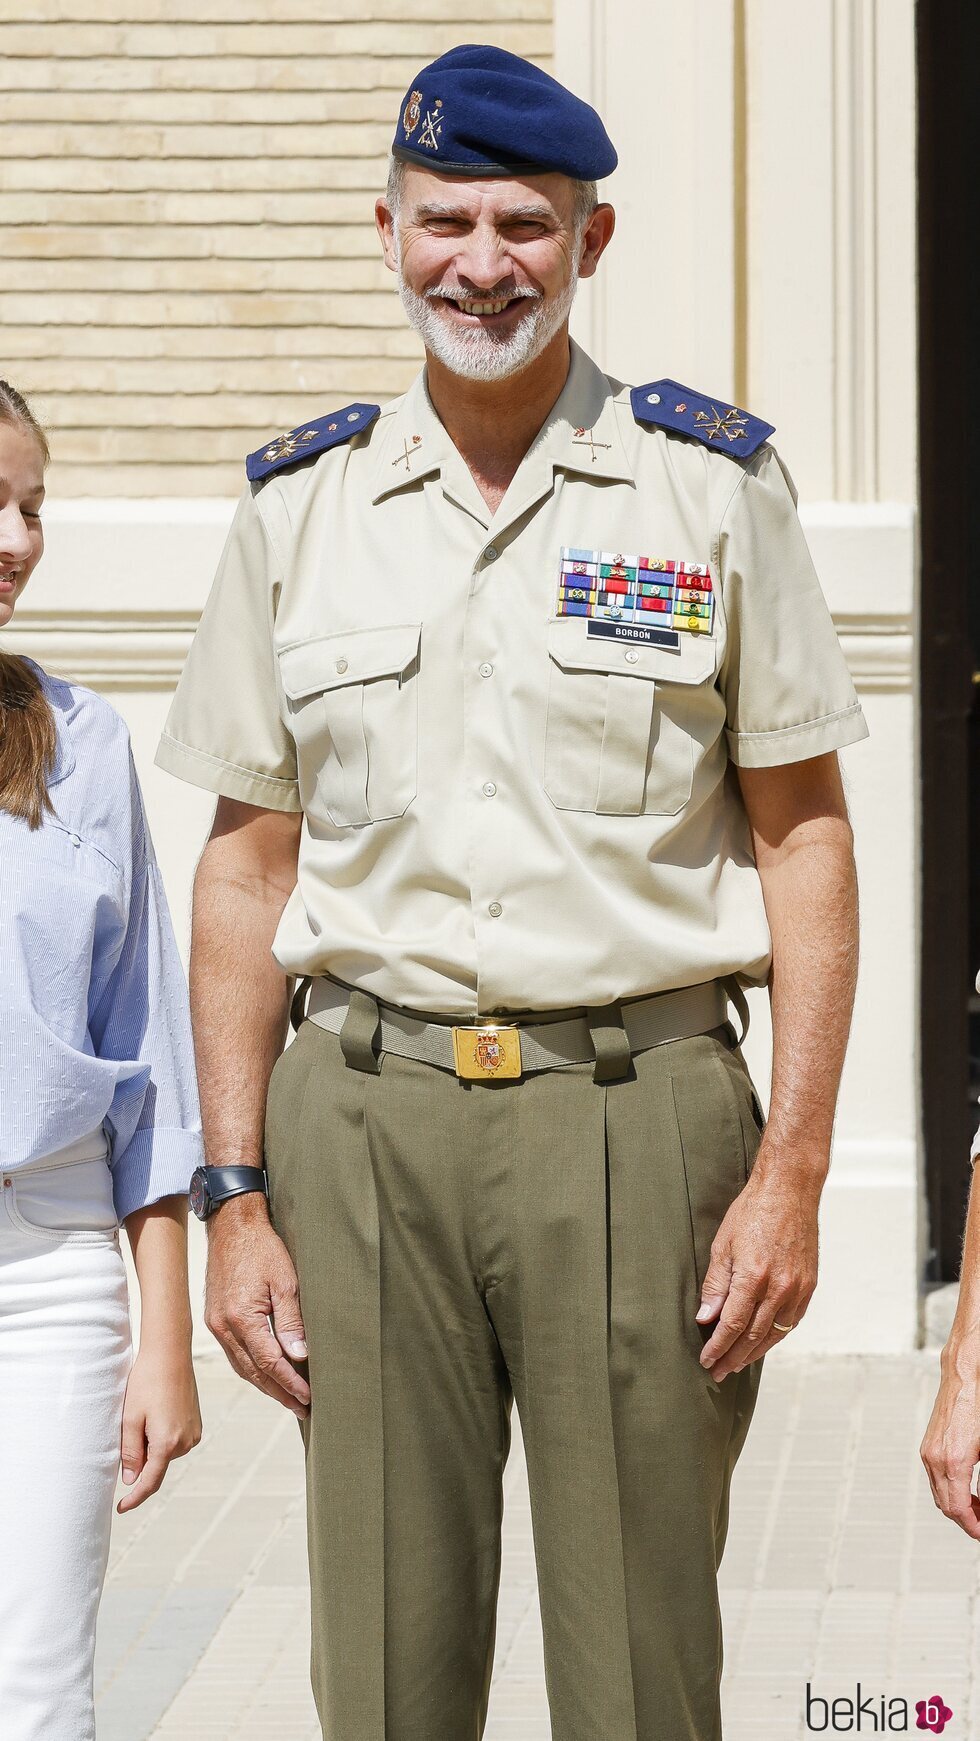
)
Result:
{"points": [[838, 1569]]}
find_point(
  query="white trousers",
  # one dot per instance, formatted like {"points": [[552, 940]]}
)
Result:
{"points": [[64, 1359]]}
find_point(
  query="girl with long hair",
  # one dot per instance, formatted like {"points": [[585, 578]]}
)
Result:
{"points": [[99, 1126]]}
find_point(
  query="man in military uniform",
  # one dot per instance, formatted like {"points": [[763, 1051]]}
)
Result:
{"points": [[523, 703]]}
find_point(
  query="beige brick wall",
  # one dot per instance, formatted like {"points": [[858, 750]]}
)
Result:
{"points": [[186, 226]]}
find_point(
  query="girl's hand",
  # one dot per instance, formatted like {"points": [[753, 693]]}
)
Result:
{"points": [[161, 1419]]}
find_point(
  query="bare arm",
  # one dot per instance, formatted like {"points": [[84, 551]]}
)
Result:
{"points": [[239, 1009], [951, 1445], [161, 1415], [239, 993], [764, 1257]]}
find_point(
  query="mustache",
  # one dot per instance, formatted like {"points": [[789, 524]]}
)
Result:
{"points": [[456, 293]]}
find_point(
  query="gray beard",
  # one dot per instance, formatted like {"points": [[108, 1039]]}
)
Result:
{"points": [[478, 355]]}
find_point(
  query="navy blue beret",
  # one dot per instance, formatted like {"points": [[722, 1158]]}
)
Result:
{"points": [[480, 111]]}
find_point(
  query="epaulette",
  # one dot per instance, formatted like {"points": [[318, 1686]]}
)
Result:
{"points": [[671, 406], [309, 439]]}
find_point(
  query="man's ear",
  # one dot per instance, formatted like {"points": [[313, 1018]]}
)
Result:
{"points": [[385, 221], [596, 238]]}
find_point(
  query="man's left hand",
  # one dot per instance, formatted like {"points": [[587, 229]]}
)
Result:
{"points": [[763, 1268]]}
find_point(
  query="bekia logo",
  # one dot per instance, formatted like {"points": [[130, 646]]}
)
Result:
{"points": [[932, 1714], [873, 1714]]}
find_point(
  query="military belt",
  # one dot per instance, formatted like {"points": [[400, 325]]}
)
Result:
{"points": [[503, 1047]]}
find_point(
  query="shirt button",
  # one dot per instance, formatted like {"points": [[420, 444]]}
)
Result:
{"points": [[631, 656], [489, 789], [491, 553], [341, 665], [495, 909], [486, 670], [75, 839]]}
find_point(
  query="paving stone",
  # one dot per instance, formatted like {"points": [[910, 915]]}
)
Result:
{"points": [[839, 1569]]}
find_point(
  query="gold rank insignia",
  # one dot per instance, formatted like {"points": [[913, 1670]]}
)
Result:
{"points": [[405, 457], [586, 438], [286, 445], [731, 423]]}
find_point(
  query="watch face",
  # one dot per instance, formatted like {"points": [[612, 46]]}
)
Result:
{"points": [[200, 1196]]}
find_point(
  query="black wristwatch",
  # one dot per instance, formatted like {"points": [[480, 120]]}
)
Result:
{"points": [[211, 1186]]}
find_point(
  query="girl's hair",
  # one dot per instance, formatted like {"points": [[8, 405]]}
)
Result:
{"points": [[28, 738]]}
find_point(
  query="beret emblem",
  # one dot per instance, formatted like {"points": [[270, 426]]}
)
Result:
{"points": [[432, 126], [413, 113]]}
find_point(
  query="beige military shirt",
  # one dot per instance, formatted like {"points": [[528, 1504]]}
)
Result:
{"points": [[508, 806]]}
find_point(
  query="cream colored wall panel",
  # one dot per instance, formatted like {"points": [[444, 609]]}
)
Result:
{"points": [[663, 303], [207, 73], [792, 237], [895, 249], [831, 240], [241, 174], [186, 106], [456, 12], [331, 139], [391, 368], [193, 275], [267, 39], [256, 240], [248, 309]]}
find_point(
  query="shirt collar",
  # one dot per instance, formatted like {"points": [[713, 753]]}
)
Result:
{"points": [[580, 434], [415, 443]]}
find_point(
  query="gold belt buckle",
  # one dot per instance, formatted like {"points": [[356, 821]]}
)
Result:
{"points": [[488, 1053]]}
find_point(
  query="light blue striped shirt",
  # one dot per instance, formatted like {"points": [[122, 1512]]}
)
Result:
{"points": [[96, 1024]]}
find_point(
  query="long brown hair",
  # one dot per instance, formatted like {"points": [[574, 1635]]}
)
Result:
{"points": [[28, 738]]}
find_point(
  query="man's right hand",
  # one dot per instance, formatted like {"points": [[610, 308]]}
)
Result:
{"points": [[250, 1280]]}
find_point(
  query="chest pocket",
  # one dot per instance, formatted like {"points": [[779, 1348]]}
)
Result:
{"points": [[622, 721], [352, 700]]}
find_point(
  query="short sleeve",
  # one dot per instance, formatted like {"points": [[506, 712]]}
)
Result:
{"points": [[139, 1018], [225, 729], [787, 688]]}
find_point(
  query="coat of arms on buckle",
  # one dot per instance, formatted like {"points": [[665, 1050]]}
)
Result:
{"points": [[487, 1054]]}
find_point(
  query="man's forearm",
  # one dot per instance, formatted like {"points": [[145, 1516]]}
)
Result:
{"points": [[811, 899], [239, 1007]]}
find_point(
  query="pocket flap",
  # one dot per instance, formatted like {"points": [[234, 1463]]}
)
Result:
{"points": [[353, 656], [574, 650]]}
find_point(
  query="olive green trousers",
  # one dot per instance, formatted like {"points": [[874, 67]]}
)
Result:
{"points": [[460, 1246]]}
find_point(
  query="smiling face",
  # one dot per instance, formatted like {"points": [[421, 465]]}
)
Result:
{"points": [[21, 495], [487, 268]]}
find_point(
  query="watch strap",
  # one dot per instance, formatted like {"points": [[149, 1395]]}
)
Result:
{"points": [[225, 1182]]}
